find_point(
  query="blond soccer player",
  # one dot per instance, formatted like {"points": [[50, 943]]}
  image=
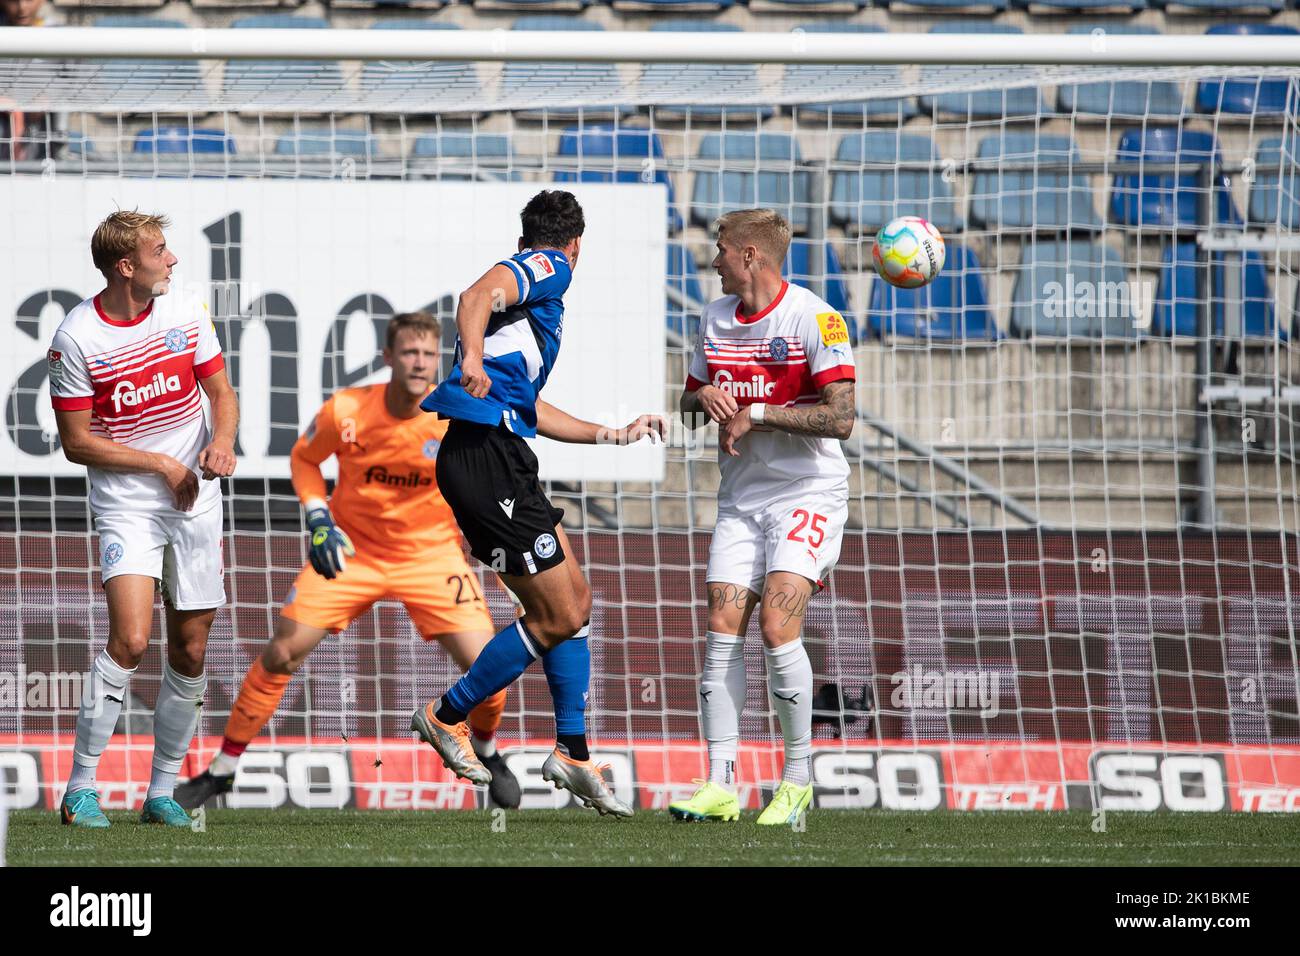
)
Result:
{"points": [[773, 367], [126, 370]]}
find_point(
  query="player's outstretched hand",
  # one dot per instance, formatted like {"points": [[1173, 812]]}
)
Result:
{"points": [[734, 430], [217, 461], [330, 545], [656, 426], [181, 482], [473, 378], [719, 405]]}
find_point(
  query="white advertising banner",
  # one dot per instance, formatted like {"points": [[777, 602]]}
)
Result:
{"points": [[304, 272]]}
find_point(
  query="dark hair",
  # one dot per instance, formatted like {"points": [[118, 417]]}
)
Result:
{"points": [[551, 220], [417, 321]]}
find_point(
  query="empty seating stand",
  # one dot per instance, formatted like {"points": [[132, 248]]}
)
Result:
{"points": [[1072, 287], [865, 198], [1012, 103], [410, 78], [283, 83], [602, 153], [1275, 193], [1178, 300], [953, 307], [1165, 200], [1248, 96], [1137, 100], [179, 80], [714, 81], [740, 170], [461, 155], [524, 84], [1055, 200], [802, 78]]}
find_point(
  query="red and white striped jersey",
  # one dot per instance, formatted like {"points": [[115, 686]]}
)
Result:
{"points": [[139, 379], [783, 355]]}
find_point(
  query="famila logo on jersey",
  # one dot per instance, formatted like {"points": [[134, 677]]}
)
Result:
{"points": [[127, 394], [756, 387], [412, 479]]}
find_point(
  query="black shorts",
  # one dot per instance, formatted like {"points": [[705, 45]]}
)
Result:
{"points": [[489, 477]]}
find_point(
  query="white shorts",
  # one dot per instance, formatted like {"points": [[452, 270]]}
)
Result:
{"points": [[798, 534], [182, 552]]}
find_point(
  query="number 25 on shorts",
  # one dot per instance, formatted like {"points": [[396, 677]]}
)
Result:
{"points": [[813, 522]]}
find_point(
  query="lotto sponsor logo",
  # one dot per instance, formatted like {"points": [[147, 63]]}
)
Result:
{"points": [[833, 329], [756, 386], [126, 394], [380, 475]]}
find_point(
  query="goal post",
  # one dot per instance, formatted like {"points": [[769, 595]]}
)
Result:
{"points": [[1069, 579]]}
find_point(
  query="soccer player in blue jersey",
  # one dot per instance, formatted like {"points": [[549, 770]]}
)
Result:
{"points": [[510, 322]]}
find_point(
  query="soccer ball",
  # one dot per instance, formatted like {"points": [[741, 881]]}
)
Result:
{"points": [[909, 252]]}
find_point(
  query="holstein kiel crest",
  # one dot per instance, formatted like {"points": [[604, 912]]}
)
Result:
{"points": [[177, 340], [779, 349]]}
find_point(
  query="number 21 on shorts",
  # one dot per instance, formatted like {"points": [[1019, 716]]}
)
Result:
{"points": [[816, 534]]}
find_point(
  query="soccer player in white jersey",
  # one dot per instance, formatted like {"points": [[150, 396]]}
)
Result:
{"points": [[126, 367], [774, 368]]}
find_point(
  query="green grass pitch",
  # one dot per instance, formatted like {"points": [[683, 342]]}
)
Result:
{"points": [[569, 837]]}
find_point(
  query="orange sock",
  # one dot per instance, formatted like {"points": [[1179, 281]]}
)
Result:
{"points": [[486, 717], [258, 698]]}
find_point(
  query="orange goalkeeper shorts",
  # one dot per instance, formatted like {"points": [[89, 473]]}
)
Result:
{"points": [[439, 591]]}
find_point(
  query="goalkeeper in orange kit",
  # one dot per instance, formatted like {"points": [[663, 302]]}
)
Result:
{"points": [[386, 533]]}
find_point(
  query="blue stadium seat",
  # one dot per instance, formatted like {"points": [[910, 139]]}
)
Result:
{"points": [[801, 78], [1135, 98], [396, 77], [1074, 6], [459, 155], [1221, 6], [1249, 95], [1177, 302], [282, 81], [1272, 190], [740, 170], [865, 199], [1021, 101], [183, 140], [607, 154], [804, 6], [598, 80], [1161, 199], [1031, 200], [989, 6], [79, 144], [682, 278], [672, 6], [554, 6], [1072, 287], [322, 141], [835, 290], [183, 78], [711, 79], [953, 307]]}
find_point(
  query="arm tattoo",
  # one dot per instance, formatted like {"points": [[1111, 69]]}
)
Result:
{"points": [[832, 417]]}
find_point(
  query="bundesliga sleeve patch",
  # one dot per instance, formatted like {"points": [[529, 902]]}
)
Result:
{"points": [[539, 266], [54, 359], [834, 331]]}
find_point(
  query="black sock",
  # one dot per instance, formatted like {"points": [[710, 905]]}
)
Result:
{"points": [[574, 746], [448, 714]]}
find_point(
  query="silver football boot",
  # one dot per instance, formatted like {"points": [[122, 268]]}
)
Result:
{"points": [[583, 779], [452, 744]]}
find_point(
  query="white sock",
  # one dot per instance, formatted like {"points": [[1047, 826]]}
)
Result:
{"points": [[484, 748], [223, 765], [96, 718], [722, 699], [175, 716], [790, 681]]}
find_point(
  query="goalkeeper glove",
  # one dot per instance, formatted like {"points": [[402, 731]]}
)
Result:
{"points": [[329, 543]]}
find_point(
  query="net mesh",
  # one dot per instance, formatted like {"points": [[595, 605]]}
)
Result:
{"points": [[1043, 493]]}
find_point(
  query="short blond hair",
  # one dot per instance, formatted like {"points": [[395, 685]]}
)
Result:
{"points": [[764, 229], [118, 237]]}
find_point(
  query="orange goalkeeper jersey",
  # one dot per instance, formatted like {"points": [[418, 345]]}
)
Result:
{"points": [[386, 497]]}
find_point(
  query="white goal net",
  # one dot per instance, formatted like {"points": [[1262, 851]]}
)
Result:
{"points": [[1070, 576]]}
